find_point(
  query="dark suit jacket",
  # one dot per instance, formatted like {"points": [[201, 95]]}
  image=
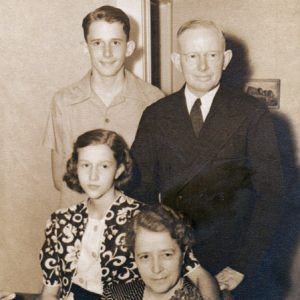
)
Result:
{"points": [[228, 180]]}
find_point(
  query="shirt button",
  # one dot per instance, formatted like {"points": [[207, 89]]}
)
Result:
{"points": [[95, 228], [81, 280], [107, 120], [94, 254]]}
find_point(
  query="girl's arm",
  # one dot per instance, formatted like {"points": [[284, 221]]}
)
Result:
{"points": [[49, 293], [205, 282], [49, 262]]}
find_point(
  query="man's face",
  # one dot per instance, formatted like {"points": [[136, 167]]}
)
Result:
{"points": [[201, 59], [108, 47]]}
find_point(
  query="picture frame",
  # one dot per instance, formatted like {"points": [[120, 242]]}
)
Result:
{"points": [[265, 89]]}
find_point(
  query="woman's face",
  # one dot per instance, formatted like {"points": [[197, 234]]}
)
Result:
{"points": [[159, 260]]}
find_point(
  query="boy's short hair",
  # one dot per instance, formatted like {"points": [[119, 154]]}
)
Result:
{"points": [[100, 137], [108, 14], [160, 218]]}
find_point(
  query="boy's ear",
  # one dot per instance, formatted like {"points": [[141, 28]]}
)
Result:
{"points": [[130, 48], [175, 57], [119, 171]]}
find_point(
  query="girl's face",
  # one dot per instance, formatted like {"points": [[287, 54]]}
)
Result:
{"points": [[159, 260], [97, 170]]}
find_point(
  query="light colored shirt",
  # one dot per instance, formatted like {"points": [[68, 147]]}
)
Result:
{"points": [[89, 274], [77, 109], [206, 100]]}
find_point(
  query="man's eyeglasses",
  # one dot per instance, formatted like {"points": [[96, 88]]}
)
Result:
{"points": [[194, 57]]}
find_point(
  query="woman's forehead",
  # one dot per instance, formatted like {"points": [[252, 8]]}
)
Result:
{"points": [[147, 240]]}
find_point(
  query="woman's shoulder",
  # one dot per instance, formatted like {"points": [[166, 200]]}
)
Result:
{"points": [[188, 291], [127, 291]]}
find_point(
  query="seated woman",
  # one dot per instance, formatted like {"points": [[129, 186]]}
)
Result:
{"points": [[158, 237]]}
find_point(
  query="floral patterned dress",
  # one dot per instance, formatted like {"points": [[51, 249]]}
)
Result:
{"points": [[135, 291], [61, 250]]}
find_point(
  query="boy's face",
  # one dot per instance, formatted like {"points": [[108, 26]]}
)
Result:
{"points": [[108, 47]]}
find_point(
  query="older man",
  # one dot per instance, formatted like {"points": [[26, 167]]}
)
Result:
{"points": [[212, 153]]}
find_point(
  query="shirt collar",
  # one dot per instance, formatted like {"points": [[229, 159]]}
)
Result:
{"points": [[206, 100], [82, 90], [131, 89]]}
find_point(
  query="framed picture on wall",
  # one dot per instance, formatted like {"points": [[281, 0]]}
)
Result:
{"points": [[265, 89]]}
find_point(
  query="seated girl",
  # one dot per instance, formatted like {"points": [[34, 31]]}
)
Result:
{"points": [[84, 250], [159, 238]]}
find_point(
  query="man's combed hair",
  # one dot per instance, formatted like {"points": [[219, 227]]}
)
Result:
{"points": [[201, 23], [160, 218], [100, 137], [108, 14]]}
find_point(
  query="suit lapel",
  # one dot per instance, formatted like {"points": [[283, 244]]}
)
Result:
{"points": [[177, 126], [221, 123]]}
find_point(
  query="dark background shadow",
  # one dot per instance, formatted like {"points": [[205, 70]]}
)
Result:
{"points": [[272, 278], [238, 71]]}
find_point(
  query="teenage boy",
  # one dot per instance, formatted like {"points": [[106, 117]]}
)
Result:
{"points": [[108, 97]]}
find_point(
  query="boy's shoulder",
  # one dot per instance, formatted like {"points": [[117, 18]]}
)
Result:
{"points": [[138, 86], [74, 93]]}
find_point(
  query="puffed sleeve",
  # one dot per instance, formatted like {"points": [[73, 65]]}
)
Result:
{"points": [[49, 258]]}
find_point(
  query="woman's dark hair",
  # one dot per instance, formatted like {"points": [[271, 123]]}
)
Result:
{"points": [[159, 219], [100, 137], [108, 14]]}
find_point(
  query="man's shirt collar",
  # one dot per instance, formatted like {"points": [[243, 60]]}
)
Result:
{"points": [[206, 100]]}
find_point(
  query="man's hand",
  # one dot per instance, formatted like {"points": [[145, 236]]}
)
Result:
{"points": [[229, 279]]}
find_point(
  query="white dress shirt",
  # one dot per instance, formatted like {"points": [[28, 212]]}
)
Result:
{"points": [[206, 100]]}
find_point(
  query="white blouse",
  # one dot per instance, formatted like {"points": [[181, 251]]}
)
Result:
{"points": [[88, 274]]}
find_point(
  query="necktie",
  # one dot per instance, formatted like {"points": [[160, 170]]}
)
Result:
{"points": [[196, 116]]}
